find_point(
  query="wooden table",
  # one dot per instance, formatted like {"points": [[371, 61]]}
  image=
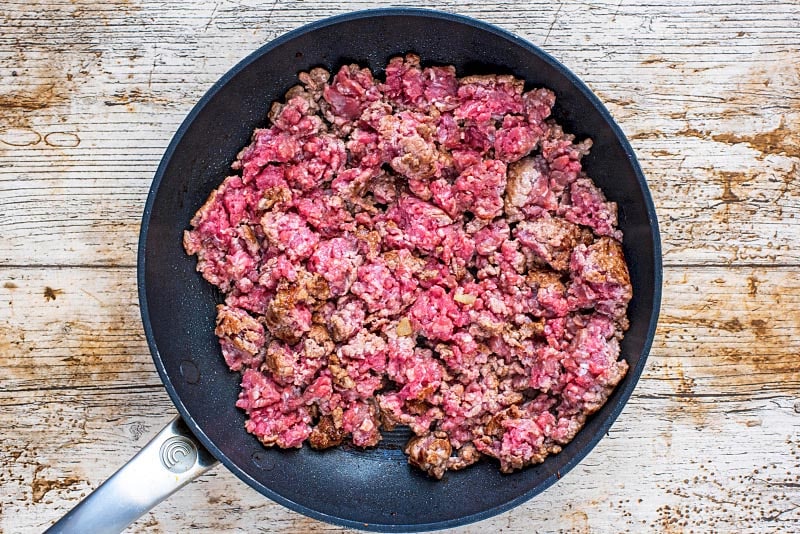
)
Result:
{"points": [[709, 94]]}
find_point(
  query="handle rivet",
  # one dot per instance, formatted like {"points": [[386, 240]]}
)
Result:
{"points": [[178, 454]]}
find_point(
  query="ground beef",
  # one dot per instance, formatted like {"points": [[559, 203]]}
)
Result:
{"points": [[422, 250]]}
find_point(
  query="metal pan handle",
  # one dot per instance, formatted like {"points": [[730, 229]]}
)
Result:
{"points": [[171, 459]]}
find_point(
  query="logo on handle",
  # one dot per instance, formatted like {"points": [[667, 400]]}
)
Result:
{"points": [[178, 454]]}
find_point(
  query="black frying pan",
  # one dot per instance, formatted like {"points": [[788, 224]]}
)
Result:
{"points": [[376, 488]]}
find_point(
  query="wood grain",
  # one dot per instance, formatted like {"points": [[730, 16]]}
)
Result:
{"points": [[709, 94]]}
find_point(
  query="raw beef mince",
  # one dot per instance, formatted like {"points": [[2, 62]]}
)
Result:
{"points": [[420, 250]]}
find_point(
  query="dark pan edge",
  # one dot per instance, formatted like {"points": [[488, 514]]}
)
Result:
{"points": [[624, 393]]}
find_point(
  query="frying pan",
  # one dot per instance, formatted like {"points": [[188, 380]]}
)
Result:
{"points": [[368, 489]]}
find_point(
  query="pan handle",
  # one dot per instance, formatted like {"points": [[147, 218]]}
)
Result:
{"points": [[171, 459]]}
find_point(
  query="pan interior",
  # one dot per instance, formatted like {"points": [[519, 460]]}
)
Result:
{"points": [[376, 488]]}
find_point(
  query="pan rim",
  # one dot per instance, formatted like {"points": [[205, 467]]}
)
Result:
{"points": [[633, 374]]}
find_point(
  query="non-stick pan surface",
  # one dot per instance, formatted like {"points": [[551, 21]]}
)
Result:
{"points": [[373, 489]]}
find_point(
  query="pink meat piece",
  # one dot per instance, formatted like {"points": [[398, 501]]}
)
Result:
{"points": [[409, 138], [337, 260], [276, 413], [490, 97], [405, 85], [489, 238], [416, 370], [435, 314], [383, 188], [399, 350], [462, 407], [386, 289], [436, 273], [322, 158], [600, 278], [518, 435], [478, 137], [223, 237], [537, 104], [516, 139], [363, 150], [448, 132], [420, 222], [549, 293], [463, 356], [287, 320], [464, 158], [269, 145], [240, 201], [254, 300], [457, 249], [409, 86], [326, 214], [268, 178], [418, 416], [276, 269], [480, 188], [441, 87], [361, 420], [364, 359], [528, 190], [591, 368], [545, 369], [297, 117], [563, 155], [290, 234], [351, 183], [347, 319], [423, 377], [376, 286], [588, 206], [350, 92], [320, 393], [443, 196]]}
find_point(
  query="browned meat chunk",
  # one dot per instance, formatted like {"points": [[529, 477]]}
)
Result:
{"points": [[288, 314], [550, 241], [430, 453], [327, 434], [241, 336]]}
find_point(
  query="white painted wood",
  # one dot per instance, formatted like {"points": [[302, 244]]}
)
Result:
{"points": [[709, 93]]}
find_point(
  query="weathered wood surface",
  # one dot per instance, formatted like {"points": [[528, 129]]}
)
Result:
{"points": [[709, 93]]}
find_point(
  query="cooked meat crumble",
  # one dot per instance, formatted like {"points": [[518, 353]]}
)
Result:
{"points": [[422, 250]]}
